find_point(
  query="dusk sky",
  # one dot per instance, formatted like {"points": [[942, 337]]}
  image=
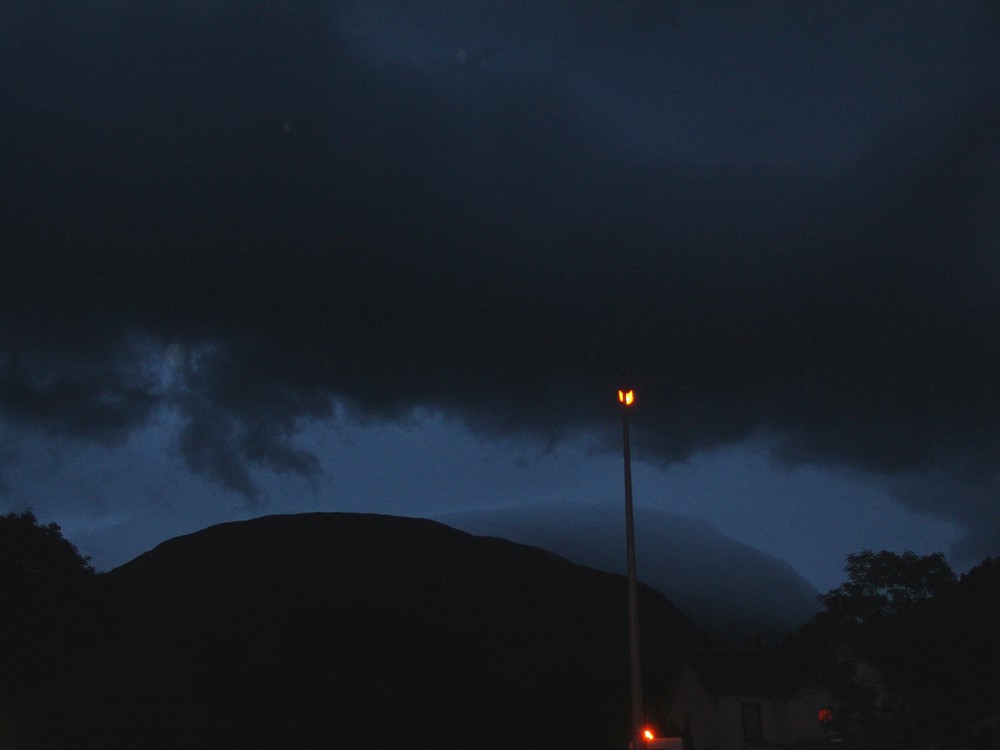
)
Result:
{"points": [[396, 256]]}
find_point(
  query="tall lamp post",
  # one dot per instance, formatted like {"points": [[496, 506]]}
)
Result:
{"points": [[626, 397]]}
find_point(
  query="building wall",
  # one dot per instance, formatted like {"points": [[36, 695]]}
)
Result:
{"points": [[693, 710], [717, 723], [772, 717]]}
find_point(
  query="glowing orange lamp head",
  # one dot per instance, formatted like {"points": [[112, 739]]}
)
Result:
{"points": [[648, 735], [626, 397]]}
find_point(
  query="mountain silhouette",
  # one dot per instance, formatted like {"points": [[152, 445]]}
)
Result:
{"points": [[327, 629]]}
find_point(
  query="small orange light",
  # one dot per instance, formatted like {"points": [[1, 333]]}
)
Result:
{"points": [[626, 397], [648, 734]]}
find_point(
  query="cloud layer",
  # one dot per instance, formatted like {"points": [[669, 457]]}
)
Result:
{"points": [[245, 214]]}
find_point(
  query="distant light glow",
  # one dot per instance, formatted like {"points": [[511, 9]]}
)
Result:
{"points": [[626, 397], [647, 733]]}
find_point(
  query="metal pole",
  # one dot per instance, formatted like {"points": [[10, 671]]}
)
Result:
{"points": [[635, 674]]}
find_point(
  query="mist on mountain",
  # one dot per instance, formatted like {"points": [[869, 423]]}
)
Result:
{"points": [[731, 589]]}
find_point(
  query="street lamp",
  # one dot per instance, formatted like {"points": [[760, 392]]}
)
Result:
{"points": [[626, 397]]}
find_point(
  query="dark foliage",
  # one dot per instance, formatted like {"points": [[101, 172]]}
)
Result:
{"points": [[909, 651], [56, 614]]}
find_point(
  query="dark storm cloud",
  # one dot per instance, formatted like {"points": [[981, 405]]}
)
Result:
{"points": [[79, 387], [236, 417], [299, 215]]}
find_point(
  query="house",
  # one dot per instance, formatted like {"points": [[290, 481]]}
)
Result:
{"points": [[734, 699]]}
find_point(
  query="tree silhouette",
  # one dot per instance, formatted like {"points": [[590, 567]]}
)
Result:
{"points": [[909, 651], [882, 585], [55, 610]]}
